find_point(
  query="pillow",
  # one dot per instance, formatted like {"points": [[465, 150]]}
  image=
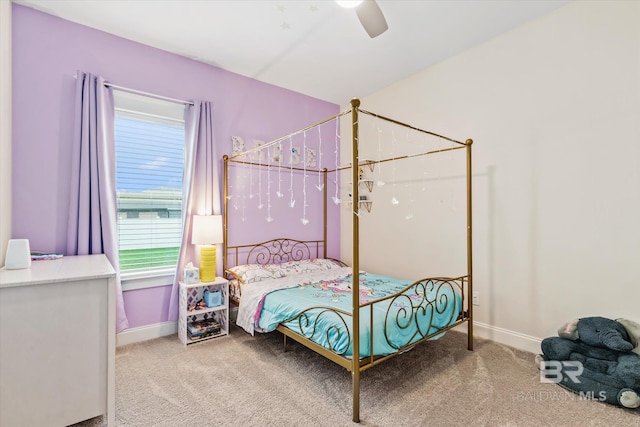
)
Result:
{"points": [[329, 263], [251, 273], [306, 266]]}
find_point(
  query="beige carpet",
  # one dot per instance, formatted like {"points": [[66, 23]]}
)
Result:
{"points": [[249, 381]]}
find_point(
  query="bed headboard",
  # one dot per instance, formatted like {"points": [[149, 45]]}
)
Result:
{"points": [[274, 251]]}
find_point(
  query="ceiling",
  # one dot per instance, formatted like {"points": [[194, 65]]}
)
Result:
{"points": [[314, 47]]}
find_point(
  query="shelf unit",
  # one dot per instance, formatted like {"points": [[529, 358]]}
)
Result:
{"points": [[368, 184], [366, 162], [191, 294], [366, 203]]}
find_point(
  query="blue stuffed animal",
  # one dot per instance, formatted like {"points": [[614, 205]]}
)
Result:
{"points": [[604, 358]]}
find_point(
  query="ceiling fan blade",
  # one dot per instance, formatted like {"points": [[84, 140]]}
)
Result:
{"points": [[372, 18]]}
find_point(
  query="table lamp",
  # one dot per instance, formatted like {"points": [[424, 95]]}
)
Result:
{"points": [[207, 231]]}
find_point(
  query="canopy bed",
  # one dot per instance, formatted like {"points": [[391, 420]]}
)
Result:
{"points": [[291, 285]]}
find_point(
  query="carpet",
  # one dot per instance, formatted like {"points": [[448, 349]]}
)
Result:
{"points": [[242, 380]]}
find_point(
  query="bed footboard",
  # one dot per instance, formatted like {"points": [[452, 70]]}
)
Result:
{"points": [[423, 310]]}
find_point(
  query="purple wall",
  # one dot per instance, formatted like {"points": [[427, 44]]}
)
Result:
{"points": [[47, 51]]}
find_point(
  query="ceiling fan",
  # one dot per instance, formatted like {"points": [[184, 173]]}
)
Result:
{"points": [[369, 14]]}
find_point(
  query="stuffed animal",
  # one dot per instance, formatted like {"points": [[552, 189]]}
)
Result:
{"points": [[597, 357]]}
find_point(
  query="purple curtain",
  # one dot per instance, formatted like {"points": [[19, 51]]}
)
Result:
{"points": [[93, 209], [201, 188]]}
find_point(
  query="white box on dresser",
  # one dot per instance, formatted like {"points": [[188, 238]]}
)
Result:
{"points": [[57, 342]]}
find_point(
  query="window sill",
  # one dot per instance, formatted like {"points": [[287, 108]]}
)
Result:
{"points": [[131, 282]]}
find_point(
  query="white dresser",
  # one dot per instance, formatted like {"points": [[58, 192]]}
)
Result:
{"points": [[57, 342]]}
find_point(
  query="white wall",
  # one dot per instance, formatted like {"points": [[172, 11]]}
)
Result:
{"points": [[554, 110], [5, 126]]}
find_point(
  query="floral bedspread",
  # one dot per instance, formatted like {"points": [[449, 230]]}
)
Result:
{"points": [[267, 304]]}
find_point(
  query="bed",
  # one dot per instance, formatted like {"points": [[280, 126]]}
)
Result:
{"points": [[290, 285]]}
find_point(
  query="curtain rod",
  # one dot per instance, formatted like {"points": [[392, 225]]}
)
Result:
{"points": [[151, 95]]}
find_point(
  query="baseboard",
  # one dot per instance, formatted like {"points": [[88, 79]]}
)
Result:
{"points": [[481, 330], [144, 333], [504, 336]]}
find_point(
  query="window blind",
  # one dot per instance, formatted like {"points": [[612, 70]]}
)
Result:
{"points": [[149, 175]]}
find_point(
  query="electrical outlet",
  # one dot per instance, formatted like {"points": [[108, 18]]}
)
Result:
{"points": [[476, 298]]}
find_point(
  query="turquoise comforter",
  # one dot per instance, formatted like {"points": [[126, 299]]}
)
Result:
{"points": [[422, 309]]}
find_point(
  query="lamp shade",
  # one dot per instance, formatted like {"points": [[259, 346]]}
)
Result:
{"points": [[206, 230]]}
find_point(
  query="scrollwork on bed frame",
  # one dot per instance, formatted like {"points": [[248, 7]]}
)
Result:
{"points": [[424, 298], [405, 310], [308, 320], [277, 251]]}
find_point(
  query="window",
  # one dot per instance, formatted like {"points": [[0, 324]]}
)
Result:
{"points": [[149, 172]]}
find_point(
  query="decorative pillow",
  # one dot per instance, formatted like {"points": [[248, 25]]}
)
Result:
{"points": [[235, 289]]}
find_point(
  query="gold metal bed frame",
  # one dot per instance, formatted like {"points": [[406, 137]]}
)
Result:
{"points": [[284, 249]]}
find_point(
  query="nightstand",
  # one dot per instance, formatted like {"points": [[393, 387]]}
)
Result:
{"points": [[198, 323]]}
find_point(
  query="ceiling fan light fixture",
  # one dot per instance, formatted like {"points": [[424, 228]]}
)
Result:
{"points": [[369, 14], [372, 18], [349, 4]]}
